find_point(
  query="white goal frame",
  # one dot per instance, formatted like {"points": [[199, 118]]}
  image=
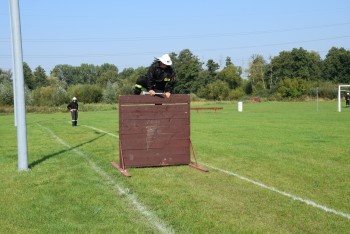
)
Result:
{"points": [[339, 95]]}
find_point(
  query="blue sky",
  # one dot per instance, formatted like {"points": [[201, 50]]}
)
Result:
{"points": [[131, 33]]}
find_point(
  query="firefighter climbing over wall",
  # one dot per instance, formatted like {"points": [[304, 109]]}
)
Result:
{"points": [[160, 77]]}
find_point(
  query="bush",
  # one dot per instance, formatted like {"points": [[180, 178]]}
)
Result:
{"points": [[86, 93], [110, 94], [53, 95], [218, 90], [236, 94], [292, 88], [6, 93]]}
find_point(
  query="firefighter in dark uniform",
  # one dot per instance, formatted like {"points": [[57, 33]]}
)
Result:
{"points": [[160, 78], [347, 99], [73, 108]]}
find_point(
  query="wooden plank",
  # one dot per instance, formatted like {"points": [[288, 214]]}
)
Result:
{"points": [[160, 123], [140, 126], [154, 131], [154, 112], [137, 129], [147, 99], [151, 143], [153, 115], [159, 157], [144, 108]]}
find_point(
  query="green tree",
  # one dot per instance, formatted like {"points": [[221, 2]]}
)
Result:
{"points": [[66, 73], [256, 73], [212, 67], [6, 92], [218, 90], [28, 76], [187, 68], [231, 76], [106, 67], [111, 93], [127, 72], [296, 63], [52, 95], [336, 65], [109, 76], [5, 75], [86, 93], [228, 61], [87, 73], [204, 78], [292, 88], [39, 77]]}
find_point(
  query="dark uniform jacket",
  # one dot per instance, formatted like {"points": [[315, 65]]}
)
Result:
{"points": [[73, 105], [159, 79]]}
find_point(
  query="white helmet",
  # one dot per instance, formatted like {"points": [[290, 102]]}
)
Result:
{"points": [[74, 99], [165, 59]]}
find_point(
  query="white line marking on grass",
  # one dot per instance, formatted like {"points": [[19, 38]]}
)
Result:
{"points": [[111, 134], [309, 202], [153, 219]]}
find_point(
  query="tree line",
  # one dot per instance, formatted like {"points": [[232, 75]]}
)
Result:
{"points": [[291, 75]]}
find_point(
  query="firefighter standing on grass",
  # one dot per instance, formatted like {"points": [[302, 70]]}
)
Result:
{"points": [[159, 78], [347, 99], [73, 108]]}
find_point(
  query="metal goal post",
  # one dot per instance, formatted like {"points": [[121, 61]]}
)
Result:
{"points": [[339, 94]]}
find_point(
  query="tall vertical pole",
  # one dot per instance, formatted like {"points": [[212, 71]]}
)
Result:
{"points": [[19, 83], [339, 101], [13, 81], [317, 99]]}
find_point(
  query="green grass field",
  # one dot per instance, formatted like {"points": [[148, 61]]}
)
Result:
{"points": [[273, 168]]}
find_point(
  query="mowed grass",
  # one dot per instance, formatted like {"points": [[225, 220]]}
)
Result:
{"points": [[258, 161]]}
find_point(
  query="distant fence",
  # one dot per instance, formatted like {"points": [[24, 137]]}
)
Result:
{"points": [[206, 108]]}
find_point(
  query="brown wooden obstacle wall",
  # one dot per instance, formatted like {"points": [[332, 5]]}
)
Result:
{"points": [[154, 131]]}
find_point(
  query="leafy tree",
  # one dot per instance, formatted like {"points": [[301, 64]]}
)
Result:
{"points": [[53, 95], [127, 72], [106, 73], [28, 76], [212, 67], [296, 63], [292, 88], [130, 75], [336, 65], [66, 73], [228, 61], [256, 72], [106, 67], [187, 68], [218, 90], [87, 73], [6, 92], [5, 75], [111, 93], [86, 93], [236, 93], [204, 78], [231, 76], [109, 76], [39, 77]]}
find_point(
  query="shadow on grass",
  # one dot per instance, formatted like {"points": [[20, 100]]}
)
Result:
{"points": [[35, 163]]}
